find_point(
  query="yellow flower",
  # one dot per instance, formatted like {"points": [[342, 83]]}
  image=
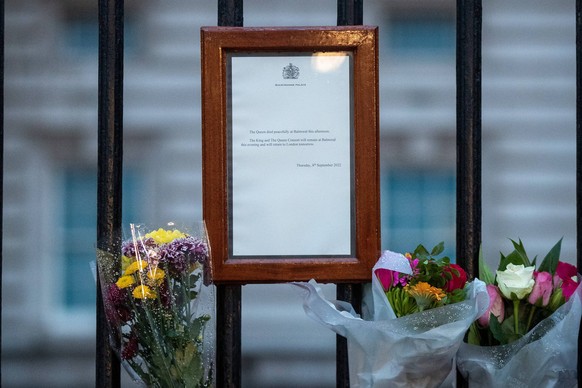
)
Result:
{"points": [[143, 292], [125, 281], [137, 265], [425, 294], [156, 274], [162, 236]]}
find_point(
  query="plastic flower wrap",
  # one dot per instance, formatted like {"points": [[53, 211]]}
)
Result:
{"points": [[160, 307], [528, 336], [415, 343]]}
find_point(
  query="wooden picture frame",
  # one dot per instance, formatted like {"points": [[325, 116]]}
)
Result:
{"points": [[290, 153]]}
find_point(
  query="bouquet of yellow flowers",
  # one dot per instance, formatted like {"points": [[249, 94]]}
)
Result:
{"points": [[159, 306]]}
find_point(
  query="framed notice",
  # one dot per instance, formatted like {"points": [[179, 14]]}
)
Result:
{"points": [[290, 153]]}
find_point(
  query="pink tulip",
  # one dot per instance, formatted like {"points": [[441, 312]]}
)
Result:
{"points": [[564, 278], [496, 306], [385, 276], [389, 278], [542, 289]]}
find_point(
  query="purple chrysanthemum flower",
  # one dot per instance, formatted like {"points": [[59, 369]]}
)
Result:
{"points": [[180, 254], [166, 296], [128, 248]]}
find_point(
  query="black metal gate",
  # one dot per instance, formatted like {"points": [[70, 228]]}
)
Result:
{"points": [[230, 13]]}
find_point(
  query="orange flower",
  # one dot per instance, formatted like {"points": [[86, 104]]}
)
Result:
{"points": [[425, 294]]}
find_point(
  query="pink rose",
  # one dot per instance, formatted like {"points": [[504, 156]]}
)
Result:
{"points": [[564, 278], [496, 306], [542, 289], [458, 280]]}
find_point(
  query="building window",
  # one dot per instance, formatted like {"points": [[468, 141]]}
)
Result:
{"points": [[419, 208], [81, 36], [417, 35], [80, 231]]}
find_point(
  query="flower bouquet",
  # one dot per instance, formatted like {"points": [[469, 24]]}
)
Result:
{"points": [[413, 320], [528, 336], [159, 306]]}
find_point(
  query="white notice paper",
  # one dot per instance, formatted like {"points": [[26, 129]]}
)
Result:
{"points": [[291, 155]]}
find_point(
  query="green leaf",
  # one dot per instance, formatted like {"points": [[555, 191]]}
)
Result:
{"points": [[503, 261], [473, 336], [513, 258], [421, 252], [193, 279], [550, 262], [520, 249], [485, 273], [438, 249], [496, 329], [458, 295], [504, 332], [197, 325]]}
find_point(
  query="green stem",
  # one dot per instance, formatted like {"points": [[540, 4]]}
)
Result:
{"points": [[530, 318], [516, 315]]}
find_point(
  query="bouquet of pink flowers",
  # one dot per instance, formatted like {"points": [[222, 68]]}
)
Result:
{"points": [[521, 296], [529, 331], [158, 308], [414, 318]]}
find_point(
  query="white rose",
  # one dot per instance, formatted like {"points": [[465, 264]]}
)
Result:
{"points": [[517, 280]]}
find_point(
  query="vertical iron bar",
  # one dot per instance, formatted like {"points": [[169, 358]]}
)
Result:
{"points": [[469, 16], [228, 308], [1, 150], [109, 169], [228, 336], [230, 13], [351, 293], [469, 22], [349, 12], [579, 163]]}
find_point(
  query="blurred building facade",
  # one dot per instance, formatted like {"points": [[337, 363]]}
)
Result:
{"points": [[50, 158]]}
